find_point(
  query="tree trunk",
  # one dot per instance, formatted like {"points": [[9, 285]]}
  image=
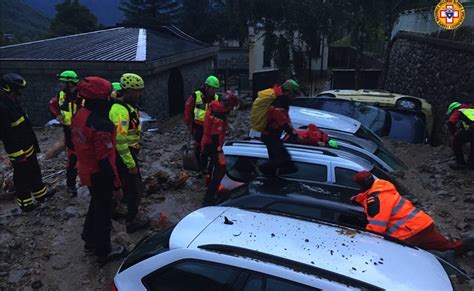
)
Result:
{"points": [[359, 48]]}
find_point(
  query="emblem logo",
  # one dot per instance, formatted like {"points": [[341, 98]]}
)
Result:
{"points": [[449, 14]]}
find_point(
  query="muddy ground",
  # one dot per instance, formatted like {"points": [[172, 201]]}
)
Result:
{"points": [[44, 247]]}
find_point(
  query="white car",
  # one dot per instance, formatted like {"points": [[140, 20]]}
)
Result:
{"points": [[302, 117], [147, 122], [223, 248]]}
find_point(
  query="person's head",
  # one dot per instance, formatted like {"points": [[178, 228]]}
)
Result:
{"points": [[116, 90], [364, 179], [69, 80], [132, 87], [229, 100], [211, 85], [453, 106], [12, 84], [96, 91], [291, 88]]}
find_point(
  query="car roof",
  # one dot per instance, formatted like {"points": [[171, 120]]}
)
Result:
{"points": [[301, 116], [362, 256], [255, 148], [366, 92]]}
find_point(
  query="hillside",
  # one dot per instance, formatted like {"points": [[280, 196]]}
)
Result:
{"points": [[22, 23], [107, 11]]}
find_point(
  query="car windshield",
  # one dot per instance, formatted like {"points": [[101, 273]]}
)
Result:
{"points": [[149, 247], [394, 162], [372, 117], [365, 133]]}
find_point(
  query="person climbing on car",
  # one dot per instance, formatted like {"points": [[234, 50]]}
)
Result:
{"points": [[63, 106], [93, 136], [215, 125], [311, 136], [276, 120], [195, 112], [20, 144], [391, 214], [125, 115], [461, 127]]}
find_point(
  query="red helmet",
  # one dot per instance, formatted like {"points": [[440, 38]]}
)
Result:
{"points": [[364, 179], [94, 88], [230, 100]]}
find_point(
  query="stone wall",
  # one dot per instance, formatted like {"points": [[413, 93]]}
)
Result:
{"points": [[43, 84], [441, 71]]}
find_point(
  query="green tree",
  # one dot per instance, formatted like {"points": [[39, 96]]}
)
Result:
{"points": [[149, 13], [202, 22], [71, 18]]}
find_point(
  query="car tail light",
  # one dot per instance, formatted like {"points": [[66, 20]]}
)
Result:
{"points": [[113, 288]]}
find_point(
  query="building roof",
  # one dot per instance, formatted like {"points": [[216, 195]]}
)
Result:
{"points": [[119, 44]]}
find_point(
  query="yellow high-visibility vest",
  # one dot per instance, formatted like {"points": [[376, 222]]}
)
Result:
{"points": [[200, 108]]}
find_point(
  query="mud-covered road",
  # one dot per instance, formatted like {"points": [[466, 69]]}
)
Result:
{"points": [[44, 248]]}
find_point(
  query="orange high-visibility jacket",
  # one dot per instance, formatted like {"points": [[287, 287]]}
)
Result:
{"points": [[389, 213]]}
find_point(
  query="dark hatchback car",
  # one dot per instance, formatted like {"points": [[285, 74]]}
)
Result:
{"points": [[307, 200], [396, 123]]}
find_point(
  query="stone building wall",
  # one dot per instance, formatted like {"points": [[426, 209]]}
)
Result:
{"points": [[43, 84], [441, 71]]}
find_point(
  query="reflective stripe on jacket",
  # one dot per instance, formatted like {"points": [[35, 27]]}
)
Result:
{"points": [[468, 117], [16, 132], [200, 107], [389, 213], [126, 119], [67, 107]]}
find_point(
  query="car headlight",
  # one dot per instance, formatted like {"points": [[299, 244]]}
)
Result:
{"points": [[407, 104]]}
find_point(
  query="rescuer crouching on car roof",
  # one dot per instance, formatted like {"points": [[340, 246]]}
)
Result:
{"points": [[391, 214]]}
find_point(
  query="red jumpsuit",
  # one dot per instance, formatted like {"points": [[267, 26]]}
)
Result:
{"points": [[461, 135], [93, 137], [215, 125], [311, 136]]}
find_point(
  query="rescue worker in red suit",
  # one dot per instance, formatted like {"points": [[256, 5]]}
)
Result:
{"points": [[461, 126], [311, 136], [391, 214], [93, 136], [63, 106], [278, 120], [195, 112], [20, 144], [215, 125]]}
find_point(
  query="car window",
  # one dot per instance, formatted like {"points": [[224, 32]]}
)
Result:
{"points": [[365, 133], [309, 172], [254, 283], [243, 169], [274, 284], [344, 177], [192, 275], [372, 117], [149, 247]]}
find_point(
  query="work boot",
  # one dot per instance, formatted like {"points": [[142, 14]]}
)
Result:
{"points": [[119, 211], [48, 195], [116, 251], [136, 224], [468, 245], [72, 190], [89, 249], [457, 166], [29, 207]]}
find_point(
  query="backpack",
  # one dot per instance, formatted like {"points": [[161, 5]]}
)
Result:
{"points": [[258, 113]]}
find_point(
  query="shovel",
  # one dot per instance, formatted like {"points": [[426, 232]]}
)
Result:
{"points": [[190, 161]]}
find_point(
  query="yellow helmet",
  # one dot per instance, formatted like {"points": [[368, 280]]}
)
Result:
{"points": [[131, 81]]}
